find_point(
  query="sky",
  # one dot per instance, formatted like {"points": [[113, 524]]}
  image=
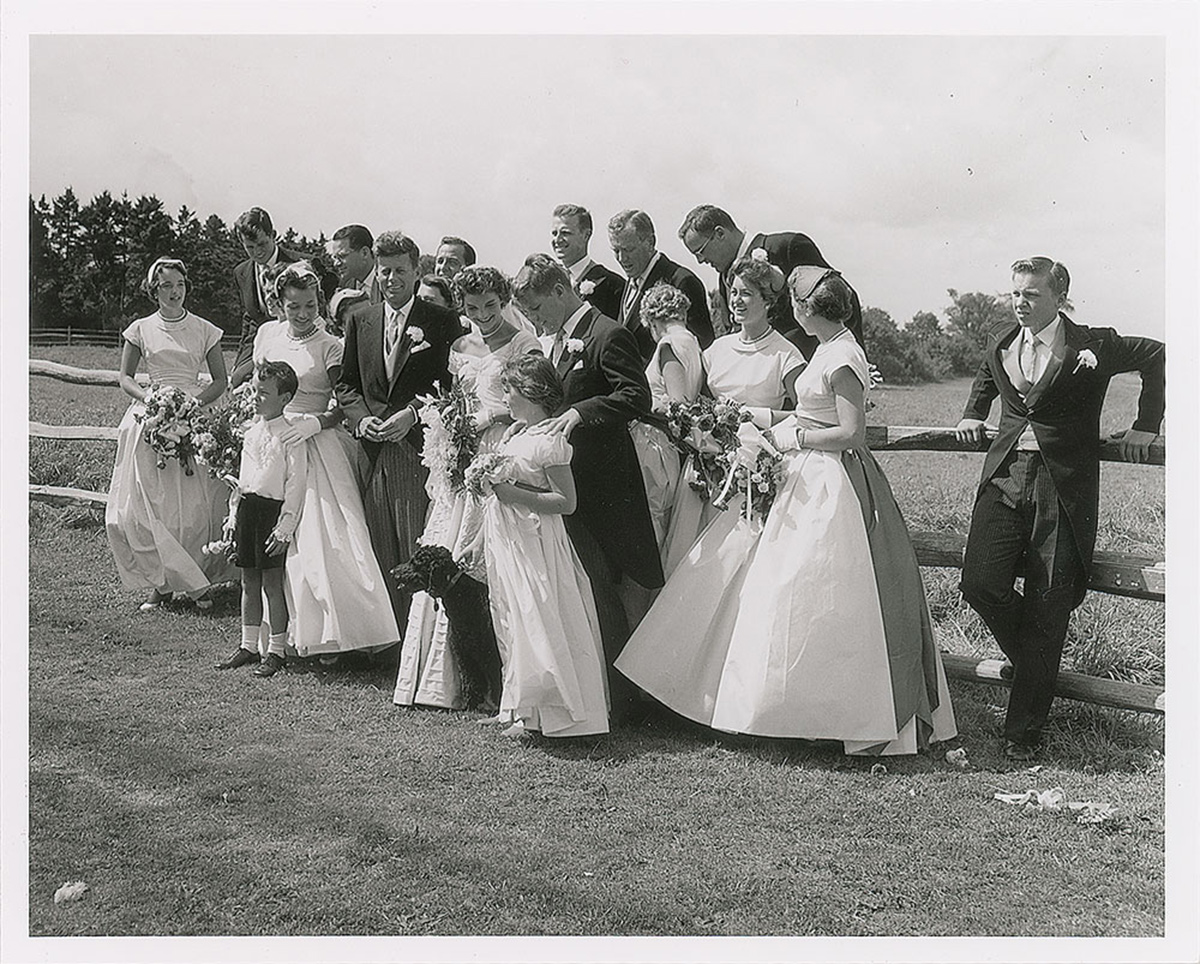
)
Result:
{"points": [[916, 163]]}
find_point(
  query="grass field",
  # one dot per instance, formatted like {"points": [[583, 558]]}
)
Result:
{"points": [[194, 802]]}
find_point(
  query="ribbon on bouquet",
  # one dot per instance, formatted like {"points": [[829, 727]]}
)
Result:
{"points": [[752, 442]]}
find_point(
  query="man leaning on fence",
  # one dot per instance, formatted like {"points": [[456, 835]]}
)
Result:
{"points": [[1037, 503]]}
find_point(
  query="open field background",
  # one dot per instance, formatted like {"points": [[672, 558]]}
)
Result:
{"points": [[202, 803]]}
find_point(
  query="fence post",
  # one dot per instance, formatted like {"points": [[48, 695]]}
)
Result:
{"points": [[68, 336]]}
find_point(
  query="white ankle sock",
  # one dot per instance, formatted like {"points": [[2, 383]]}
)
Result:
{"points": [[276, 643], [250, 638]]}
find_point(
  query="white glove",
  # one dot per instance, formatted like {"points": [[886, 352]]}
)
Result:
{"points": [[759, 416], [299, 429]]}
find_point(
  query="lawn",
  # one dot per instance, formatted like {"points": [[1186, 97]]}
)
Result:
{"points": [[197, 802]]}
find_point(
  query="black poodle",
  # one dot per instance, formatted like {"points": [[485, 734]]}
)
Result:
{"points": [[472, 639]]}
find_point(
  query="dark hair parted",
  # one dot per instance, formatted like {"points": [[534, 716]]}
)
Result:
{"points": [[252, 222], [298, 274], [482, 279], [446, 288], [467, 250], [150, 282], [704, 219], [576, 211], [532, 376], [760, 275], [355, 235], [831, 299], [281, 374], [392, 244], [540, 274]]}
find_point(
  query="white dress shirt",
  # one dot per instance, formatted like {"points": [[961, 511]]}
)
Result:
{"points": [[565, 333], [274, 470]]}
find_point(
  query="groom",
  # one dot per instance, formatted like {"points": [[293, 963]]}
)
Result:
{"points": [[395, 352], [1036, 506], [605, 389]]}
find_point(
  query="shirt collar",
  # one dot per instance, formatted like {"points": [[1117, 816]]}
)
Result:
{"points": [[580, 268], [1049, 336], [271, 261], [399, 314], [368, 281], [640, 280], [747, 238], [568, 328]]}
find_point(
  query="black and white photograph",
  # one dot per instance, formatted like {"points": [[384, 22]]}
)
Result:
{"points": [[641, 481]]}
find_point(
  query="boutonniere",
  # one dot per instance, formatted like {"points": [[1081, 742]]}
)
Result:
{"points": [[1087, 359], [759, 254], [574, 345], [586, 287], [415, 333]]}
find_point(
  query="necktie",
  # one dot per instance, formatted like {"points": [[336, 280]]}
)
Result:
{"points": [[1028, 358], [556, 349], [630, 298]]}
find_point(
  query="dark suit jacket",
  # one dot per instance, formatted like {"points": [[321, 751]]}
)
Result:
{"points": [[363, 388], [606, 384], [252, 313], [698, 321], [1063, 409], [606, 296], [786, 250]]}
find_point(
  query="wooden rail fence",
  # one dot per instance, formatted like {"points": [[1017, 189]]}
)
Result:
{"points": [[71, 337], [1115, 573]]}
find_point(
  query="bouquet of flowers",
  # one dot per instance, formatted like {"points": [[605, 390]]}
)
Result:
{"points": [[756, 468], [219, 444], [484, 471], [728, 453], [451, 437], [170, 421]]}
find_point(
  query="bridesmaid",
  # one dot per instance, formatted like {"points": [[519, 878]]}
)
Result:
{"points": [[555, 680], [675, 373], [427, 674], [159, 520], [336, 591]]}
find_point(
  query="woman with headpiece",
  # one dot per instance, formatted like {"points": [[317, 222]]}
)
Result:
{"points": [[427, 674], [336, 591], [811, 623], [158, 520]]}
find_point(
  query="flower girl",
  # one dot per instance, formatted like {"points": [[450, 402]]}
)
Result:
{"points": [[541, 600]]}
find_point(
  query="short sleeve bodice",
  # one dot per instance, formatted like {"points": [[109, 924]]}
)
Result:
{"points": [[754, 372], [175, 352], [687, 350], [311, 357], [532, 454], [815, 399], [481, 373]]}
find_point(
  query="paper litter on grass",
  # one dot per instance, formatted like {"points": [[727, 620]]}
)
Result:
{"points": [[72, 890], [1087, 811]]}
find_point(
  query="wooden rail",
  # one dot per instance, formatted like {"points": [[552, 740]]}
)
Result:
{"points": [[1074, 686], [920, 438], [98, 338], [1117, 573]]}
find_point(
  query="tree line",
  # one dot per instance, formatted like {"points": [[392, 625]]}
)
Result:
{"points": [[87, 263]]}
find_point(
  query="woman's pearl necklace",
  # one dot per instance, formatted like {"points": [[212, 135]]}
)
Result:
{"points": [[301, 336], [183, 314], [756, 338]]}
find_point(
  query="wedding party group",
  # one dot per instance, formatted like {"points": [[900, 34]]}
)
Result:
{"points": [[570, 496]]}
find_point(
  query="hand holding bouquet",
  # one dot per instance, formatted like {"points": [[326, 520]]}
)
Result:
{"points": [[169, 422]]}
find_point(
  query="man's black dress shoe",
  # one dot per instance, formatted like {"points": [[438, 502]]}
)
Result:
{"points": [[1021, 752], [269, 666], [239, 657]]}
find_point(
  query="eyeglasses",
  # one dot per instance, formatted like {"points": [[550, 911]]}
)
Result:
{"points": [[700, 250]]}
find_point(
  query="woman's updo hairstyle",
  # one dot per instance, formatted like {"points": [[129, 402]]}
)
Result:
{"points": [[755, 270], [664, 302], [481, 279], [533, 377], [150, 284], [823, 292], [298, 274]]}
